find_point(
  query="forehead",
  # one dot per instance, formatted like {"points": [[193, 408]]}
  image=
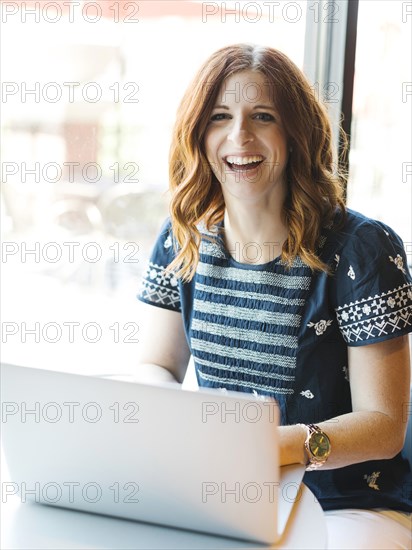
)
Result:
{"points": [[245, 86]]}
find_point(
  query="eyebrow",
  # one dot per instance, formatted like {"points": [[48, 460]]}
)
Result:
{"points": [[255, 107]]}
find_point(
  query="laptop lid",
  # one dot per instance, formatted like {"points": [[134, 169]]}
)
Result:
{"points": [[200, 460]]}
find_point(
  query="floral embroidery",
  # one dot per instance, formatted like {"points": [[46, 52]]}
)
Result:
{"points": [[320, 326], [345, 315], [371, 480], [366, 310], [391, 301], [168, 242], [398, 261], [307, 393], [345, 372], [351, 273]]}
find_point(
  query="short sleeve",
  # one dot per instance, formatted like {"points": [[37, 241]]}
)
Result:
{"points": [[372, 290], [160, 287]]}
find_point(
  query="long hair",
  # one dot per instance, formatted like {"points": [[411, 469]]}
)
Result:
{"points": [[315, 187]]}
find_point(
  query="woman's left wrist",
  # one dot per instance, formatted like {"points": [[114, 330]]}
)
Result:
{"points": [[292, 445]]}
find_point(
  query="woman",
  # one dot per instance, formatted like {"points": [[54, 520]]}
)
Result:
{"points": [[274, 288]]}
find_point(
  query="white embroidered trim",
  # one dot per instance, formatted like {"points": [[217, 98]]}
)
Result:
{"points": [[158, 274], [160, 287], [355, 311], [377, 315], [374, 328]]}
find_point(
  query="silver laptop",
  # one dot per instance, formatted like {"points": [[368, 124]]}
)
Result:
{"points": [[200, 460]]}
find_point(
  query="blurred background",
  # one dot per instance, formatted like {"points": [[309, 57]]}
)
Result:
{"points": [[89, 96]]}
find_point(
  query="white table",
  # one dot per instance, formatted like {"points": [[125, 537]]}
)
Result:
{"points": [[29, 526]]}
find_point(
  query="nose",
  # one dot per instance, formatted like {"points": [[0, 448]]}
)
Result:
{"points": [[240, 132]]}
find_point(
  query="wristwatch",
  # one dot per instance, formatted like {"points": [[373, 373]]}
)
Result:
{"points": [[317, 445]]}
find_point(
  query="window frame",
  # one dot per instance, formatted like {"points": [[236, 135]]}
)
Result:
{"points": [[329, 61]]}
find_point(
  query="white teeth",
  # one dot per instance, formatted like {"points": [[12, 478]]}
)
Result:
{"points": [[243, 160]]}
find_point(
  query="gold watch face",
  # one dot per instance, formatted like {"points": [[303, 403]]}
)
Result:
{"points": [[319, 445]]}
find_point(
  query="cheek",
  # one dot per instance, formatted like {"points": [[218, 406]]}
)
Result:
{"points": [[281, 144], [209, 149], [210, 152], [213, 141]]}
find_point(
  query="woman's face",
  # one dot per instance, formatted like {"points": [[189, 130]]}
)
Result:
{"points": [[245, 141]]}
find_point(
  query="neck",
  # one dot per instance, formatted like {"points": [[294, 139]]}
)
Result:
{"points": [[253, 235]]}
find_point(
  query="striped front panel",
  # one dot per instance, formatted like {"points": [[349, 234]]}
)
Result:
{"points": [[245, 323]]}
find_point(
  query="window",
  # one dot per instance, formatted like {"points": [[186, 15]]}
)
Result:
{"points": [[90, 91], [380, 159]]}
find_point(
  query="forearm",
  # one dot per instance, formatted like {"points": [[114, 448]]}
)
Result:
{"points": [[151, 373], [355, 437]]}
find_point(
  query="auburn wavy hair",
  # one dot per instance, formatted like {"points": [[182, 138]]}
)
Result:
{"points": [[315, 185]]}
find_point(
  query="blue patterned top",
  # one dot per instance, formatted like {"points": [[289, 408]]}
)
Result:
{"points": [[269, 330]]}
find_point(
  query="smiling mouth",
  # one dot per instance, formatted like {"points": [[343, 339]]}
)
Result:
{"points": [[239, 164]]}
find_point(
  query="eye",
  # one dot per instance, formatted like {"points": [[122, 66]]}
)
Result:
{"points": [[219, 116], [265, 117]]}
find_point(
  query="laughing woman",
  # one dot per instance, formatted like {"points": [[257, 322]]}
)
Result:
{"points": [[275, 288]]}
